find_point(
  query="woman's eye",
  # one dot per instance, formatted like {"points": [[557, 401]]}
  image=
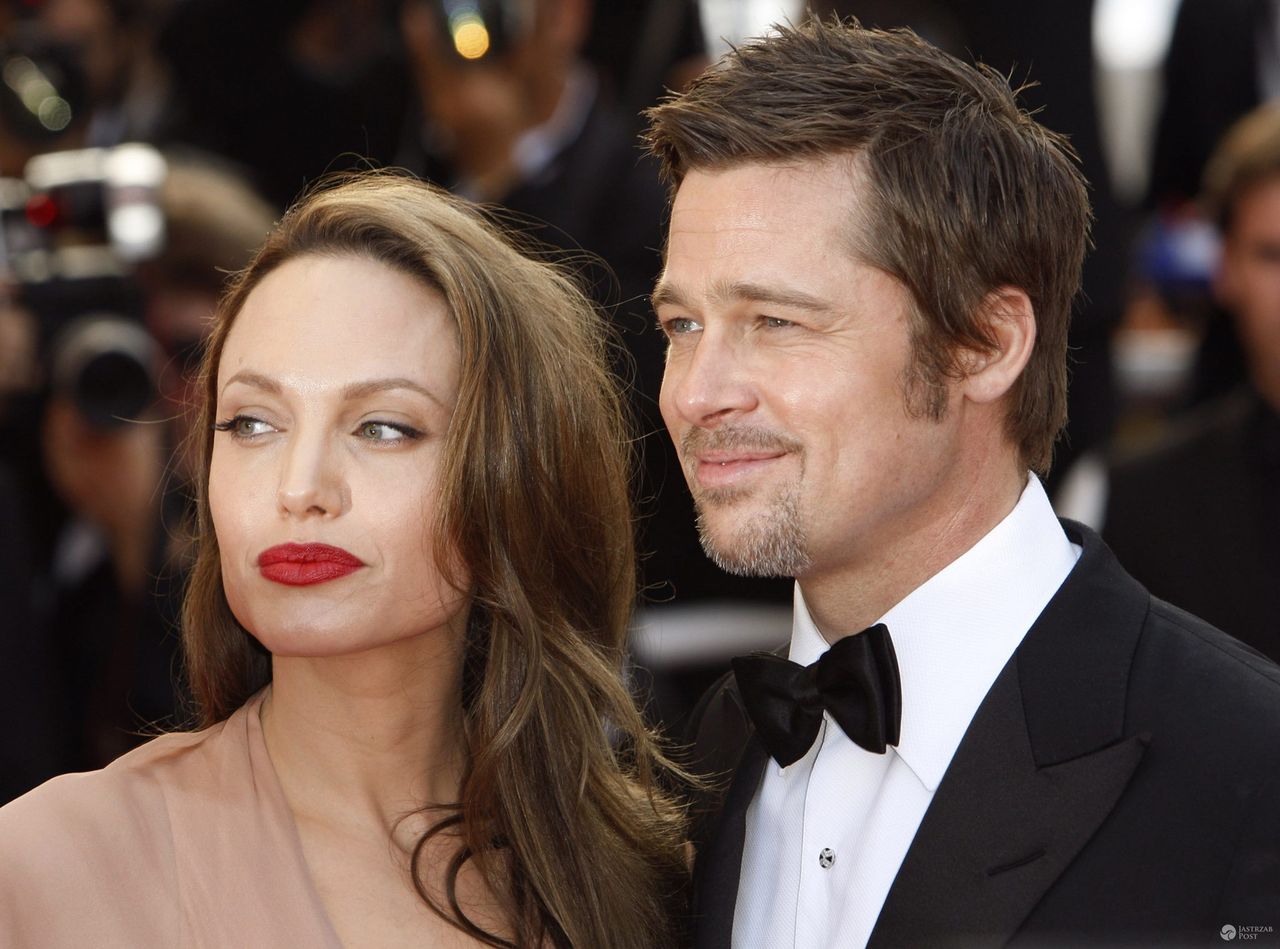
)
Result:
{"points": [[387, 432], [243, 426]]}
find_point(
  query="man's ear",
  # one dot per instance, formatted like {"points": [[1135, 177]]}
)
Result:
{"points": [[990, 375]]}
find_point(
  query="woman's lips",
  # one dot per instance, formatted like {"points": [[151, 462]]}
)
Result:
{"points": [[300, 565]]}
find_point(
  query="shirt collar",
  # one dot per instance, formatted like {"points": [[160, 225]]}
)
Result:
{"points": [[955, 632]]}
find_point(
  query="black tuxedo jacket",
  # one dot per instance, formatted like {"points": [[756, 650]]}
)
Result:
{"points": [[1119, 784], [1196, 518]]}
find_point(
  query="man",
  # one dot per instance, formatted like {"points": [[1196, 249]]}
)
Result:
{"points": [[1196, 517], [869, 272]]}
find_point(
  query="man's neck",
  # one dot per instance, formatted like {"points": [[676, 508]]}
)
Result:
{"points": [[857, 592]]}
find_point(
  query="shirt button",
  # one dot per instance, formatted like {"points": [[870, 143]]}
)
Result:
{"points": [[826, 857]]}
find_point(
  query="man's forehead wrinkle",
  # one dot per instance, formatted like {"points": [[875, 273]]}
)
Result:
{"points": [[710, 218], [752, 216]]}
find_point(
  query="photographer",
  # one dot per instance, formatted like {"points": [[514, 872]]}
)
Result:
{"points": [[110, 427], [79, 73]]}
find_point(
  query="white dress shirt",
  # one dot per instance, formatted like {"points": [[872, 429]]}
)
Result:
{"points": [[825, 836]]}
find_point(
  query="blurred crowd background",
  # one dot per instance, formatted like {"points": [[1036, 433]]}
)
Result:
{"points": [[146, 147]]}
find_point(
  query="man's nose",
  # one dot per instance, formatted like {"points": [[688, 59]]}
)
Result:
{"points": [[710, 384], [312, 482]]}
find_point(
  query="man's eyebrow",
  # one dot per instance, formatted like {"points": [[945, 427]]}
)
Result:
{"points": [[778, 296], [666, 294], [354, 390]]}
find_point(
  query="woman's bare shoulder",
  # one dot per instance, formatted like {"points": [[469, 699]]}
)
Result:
{"points": [[117, 816], [84, 802], [82, 848]]}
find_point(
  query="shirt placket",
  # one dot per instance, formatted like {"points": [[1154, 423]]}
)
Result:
{"points": [[813, 898]]}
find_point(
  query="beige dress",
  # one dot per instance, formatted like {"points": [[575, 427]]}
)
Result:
{"points": [[184, 842]]}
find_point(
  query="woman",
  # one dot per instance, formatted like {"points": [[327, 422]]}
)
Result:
{"points": [[404, 629]]}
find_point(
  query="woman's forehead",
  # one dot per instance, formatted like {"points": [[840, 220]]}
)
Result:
{"points": [[333, 321]]}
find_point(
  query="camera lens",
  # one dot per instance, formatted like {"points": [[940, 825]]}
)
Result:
{"points": [[106, 365], [112, 388]]}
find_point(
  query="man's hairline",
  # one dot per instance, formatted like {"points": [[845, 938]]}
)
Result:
{"points": [[857, 162]]}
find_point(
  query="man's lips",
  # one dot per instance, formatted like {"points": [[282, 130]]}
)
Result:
{"points": [[732, 457], [300, 565], [717, 468]]}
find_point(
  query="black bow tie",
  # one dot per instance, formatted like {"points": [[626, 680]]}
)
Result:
{"points": [[856, 680]]}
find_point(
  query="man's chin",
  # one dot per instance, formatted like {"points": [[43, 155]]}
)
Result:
{"points": [[743, 568], [711, 499], [759, 547]]}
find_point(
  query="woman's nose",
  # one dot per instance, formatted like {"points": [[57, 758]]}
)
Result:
{"points": [[311, 480]]}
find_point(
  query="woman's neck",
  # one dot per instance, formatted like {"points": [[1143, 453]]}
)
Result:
{"points": [[363, 740]]}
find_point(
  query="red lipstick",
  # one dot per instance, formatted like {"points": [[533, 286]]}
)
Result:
{"points": [[301, 565]]}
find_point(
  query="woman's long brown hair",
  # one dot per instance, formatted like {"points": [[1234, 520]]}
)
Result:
{"points": [[560, 808]]}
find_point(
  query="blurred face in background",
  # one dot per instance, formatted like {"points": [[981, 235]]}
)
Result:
{"points": [[103, 45], [1248, 282], [483, 104], [335, 390]]}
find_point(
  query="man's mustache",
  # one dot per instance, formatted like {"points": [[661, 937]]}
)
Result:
{"points": [[740, 438]]}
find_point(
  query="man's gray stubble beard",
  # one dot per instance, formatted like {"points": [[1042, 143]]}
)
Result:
{"points": [[770, 544]]}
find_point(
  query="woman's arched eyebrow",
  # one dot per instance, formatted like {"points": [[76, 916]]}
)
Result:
{"points": [[358, 390], [350, 392], [255, 380]]}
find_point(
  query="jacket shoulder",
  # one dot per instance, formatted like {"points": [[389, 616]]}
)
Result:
{"points": [[1225, 673]]}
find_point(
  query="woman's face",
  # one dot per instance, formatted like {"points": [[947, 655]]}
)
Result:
{"points": [[334, 392]]}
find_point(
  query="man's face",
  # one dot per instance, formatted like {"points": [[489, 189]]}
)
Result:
{"points": [[1249, 282], [784, 384]]}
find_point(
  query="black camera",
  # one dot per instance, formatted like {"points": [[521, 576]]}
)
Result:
{"points": [[71, 232], [107, 366]]}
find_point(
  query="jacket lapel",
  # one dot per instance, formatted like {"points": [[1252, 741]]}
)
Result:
{"points": [[716, 888], [727, 744], [1041, 766], [999, 832]]}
